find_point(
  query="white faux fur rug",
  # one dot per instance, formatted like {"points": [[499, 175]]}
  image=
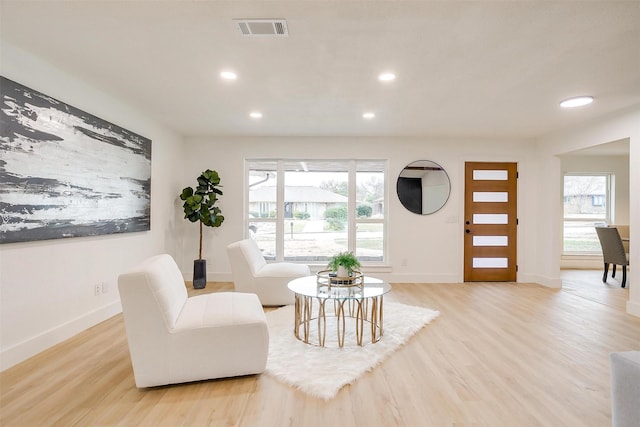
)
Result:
{"points": [[323, 371]]}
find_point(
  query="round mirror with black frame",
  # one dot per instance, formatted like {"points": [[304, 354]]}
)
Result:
{"points": [[423, 187]]}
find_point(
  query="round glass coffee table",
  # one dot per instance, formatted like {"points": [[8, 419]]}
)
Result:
{"points": [[362, 305]]}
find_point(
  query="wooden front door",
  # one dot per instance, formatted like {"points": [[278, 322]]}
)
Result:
{"points": [[490, 210]]}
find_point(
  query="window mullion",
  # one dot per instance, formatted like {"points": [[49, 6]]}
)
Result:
{"points": [[610, 213], [280, 211], [351, 207], [245, 203]]}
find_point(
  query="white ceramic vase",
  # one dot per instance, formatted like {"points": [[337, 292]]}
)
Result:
{"points": [[342, 272]]}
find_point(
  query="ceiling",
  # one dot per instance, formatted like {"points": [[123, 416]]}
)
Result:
{"points": [[481, 69], [613, 148]]}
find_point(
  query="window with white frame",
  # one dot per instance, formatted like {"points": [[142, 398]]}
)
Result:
{"points": [[309, 210], [587, 203]]}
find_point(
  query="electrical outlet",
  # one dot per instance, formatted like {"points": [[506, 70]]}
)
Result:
{"points": [[97, 289], [404, 262]]}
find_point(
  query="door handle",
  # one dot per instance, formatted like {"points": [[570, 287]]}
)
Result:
{"points": [[467, 231]]}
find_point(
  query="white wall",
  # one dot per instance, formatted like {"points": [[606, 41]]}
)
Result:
{"points": [[46, 287], [616, 127], [431, 245]]}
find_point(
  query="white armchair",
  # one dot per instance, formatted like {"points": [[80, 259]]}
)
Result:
{"points": [[251, 273], [174, 339]]}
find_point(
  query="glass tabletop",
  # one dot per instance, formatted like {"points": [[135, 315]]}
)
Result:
{"points": [[309, 287]]}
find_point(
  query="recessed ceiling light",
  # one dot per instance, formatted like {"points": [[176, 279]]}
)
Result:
{"points": [[255, 115], [578, 101], [368, 115], [228, 75], [386, 77]]}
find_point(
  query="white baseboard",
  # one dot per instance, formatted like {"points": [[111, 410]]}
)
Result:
{"points": [[417, 278], [550, 282], [211, 276], [219, 277], [379, 273], [386, 275], [20, 352], [580, 262], [633, 308]]}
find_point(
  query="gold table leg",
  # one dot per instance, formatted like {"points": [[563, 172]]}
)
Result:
{"points": [[377, 329], [297, 315], [306, 320], [322, 322], [340, 322], [360, 310], [360, 315]]}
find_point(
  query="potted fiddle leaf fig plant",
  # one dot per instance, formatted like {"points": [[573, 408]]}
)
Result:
{"points": [[343, 264], [200, 206]]}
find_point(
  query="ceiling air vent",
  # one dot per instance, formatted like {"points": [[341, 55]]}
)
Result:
{"points": [[262, 27]]}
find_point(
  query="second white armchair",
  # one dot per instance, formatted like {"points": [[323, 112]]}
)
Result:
{"points": [[251, 273]]}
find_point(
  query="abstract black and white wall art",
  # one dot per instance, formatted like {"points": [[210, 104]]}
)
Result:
{"points": [[66, 173]]}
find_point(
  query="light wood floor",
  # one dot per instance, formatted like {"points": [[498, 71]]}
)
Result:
{"points": [[500, 354]]}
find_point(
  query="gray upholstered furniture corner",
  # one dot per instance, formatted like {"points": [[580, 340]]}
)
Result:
{"points": [[174, 339], [625, 389]]}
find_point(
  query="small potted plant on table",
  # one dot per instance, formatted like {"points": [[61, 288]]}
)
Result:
{"points": [[344, 264]]}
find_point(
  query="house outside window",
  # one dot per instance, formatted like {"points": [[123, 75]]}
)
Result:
{"points": [[587, 203], [317, 208]]}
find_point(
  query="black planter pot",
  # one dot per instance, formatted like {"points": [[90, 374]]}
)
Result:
{"points": [[199, 273]]}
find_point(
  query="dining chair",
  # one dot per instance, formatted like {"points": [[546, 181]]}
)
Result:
{"points": [[612, 252], [623, 230]]}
